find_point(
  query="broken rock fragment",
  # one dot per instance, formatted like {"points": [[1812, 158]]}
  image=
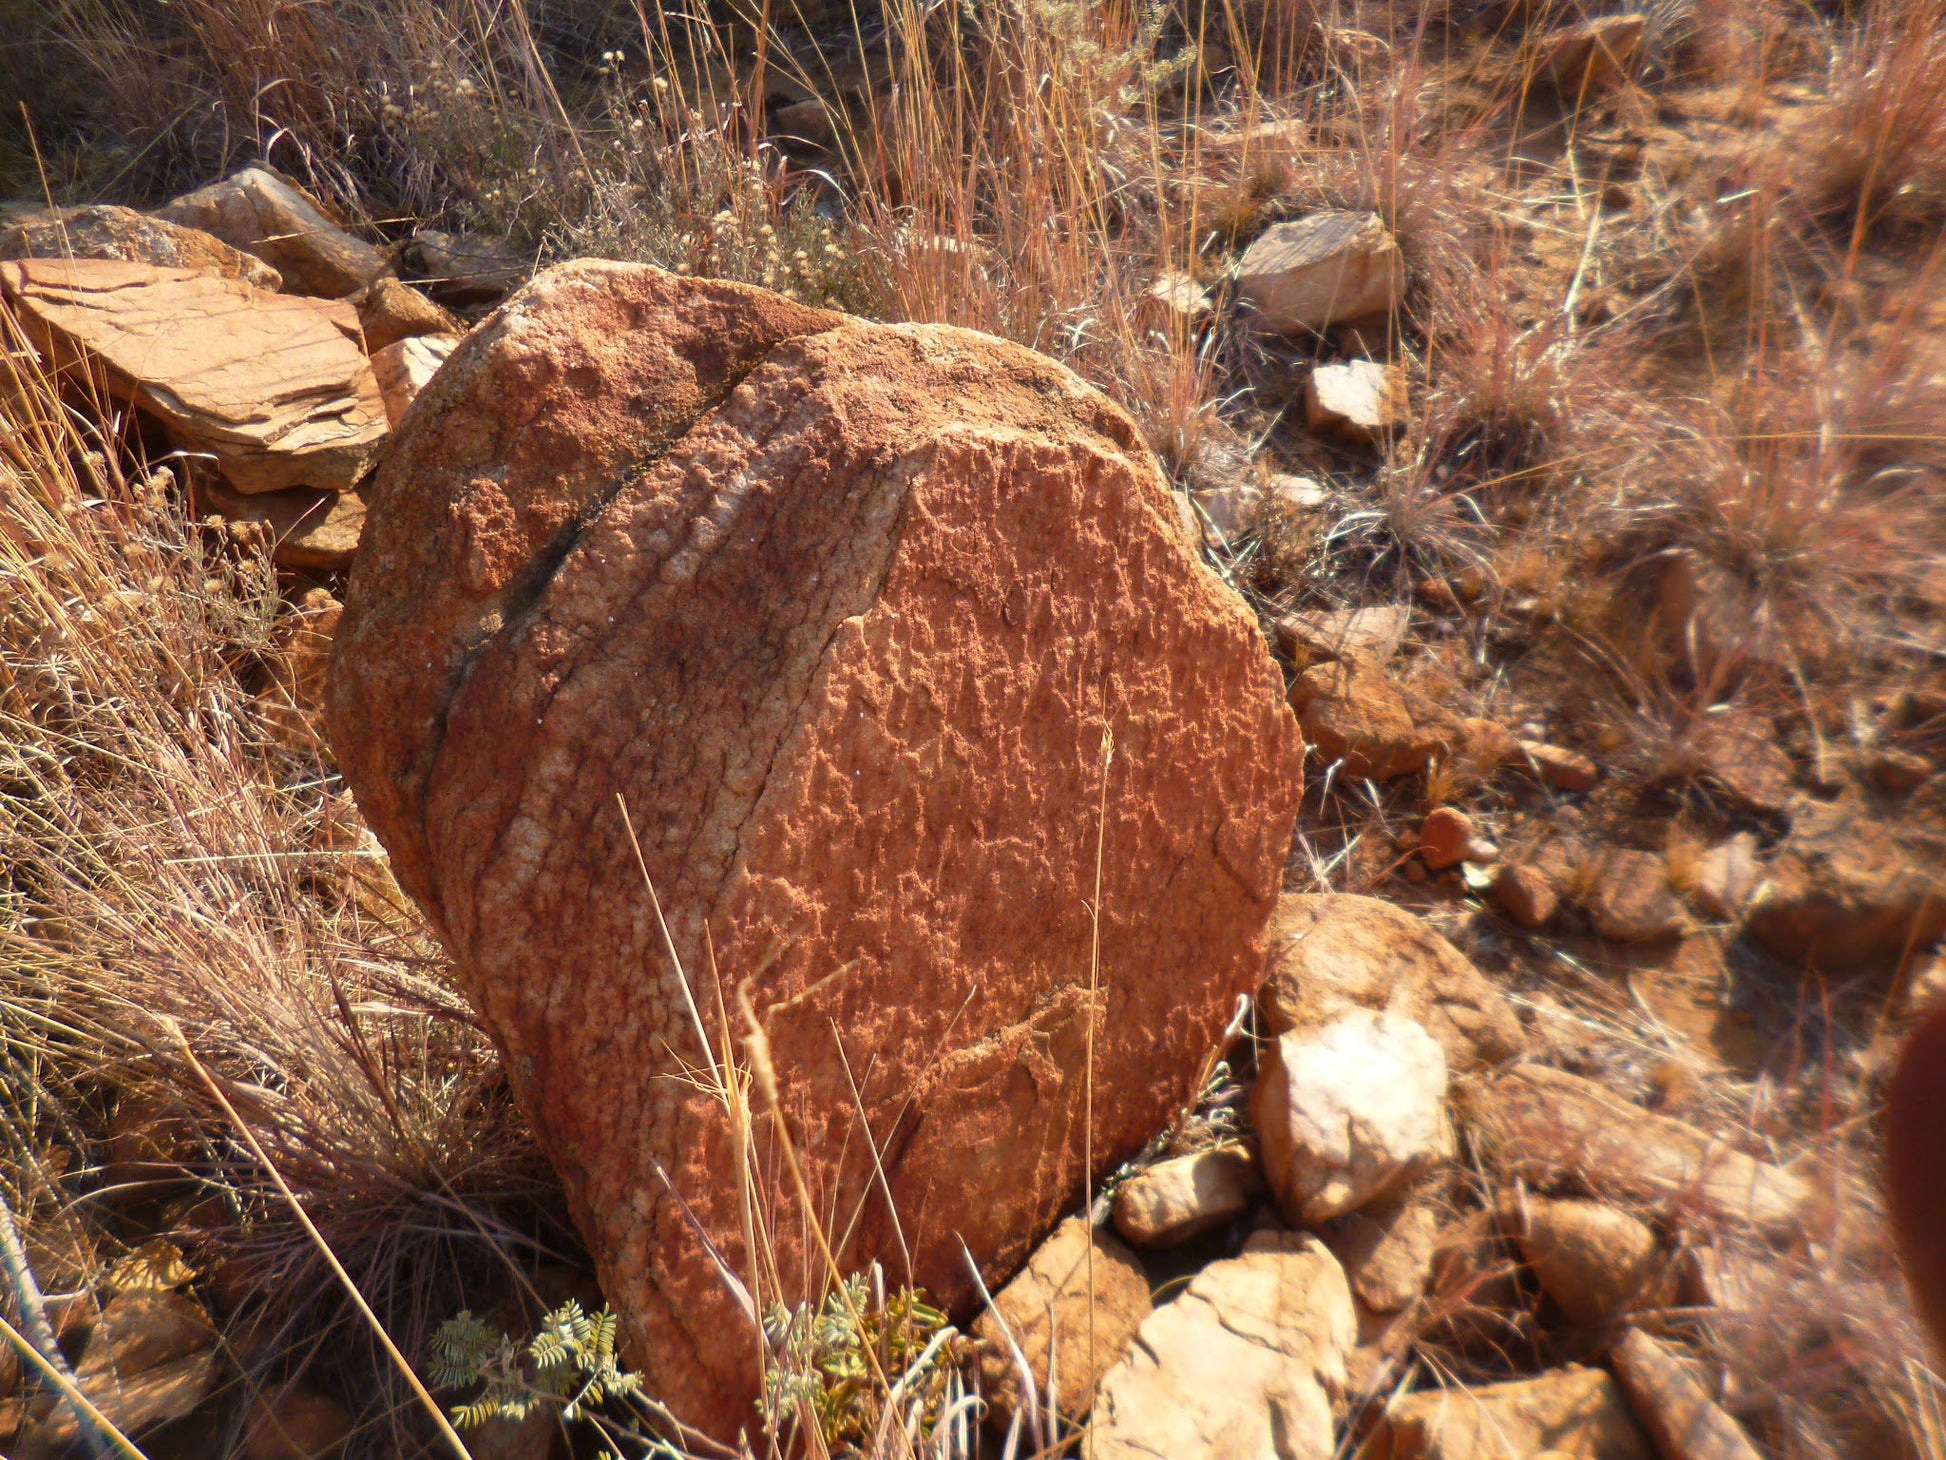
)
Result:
{"points": [[1387, 1252], [1352, 711], [1555, 1130], [107, 232], [264, 214], [1358, 401], [1350, 1113], [1578, 1413], [1180, 1198], [1244, 1365], [1592, 1260], [274, 388], [391, 310], [1845, 888], [1673, 1406], [1374, 633], [405, 368], [1306, 275], [1331, 952], [835, 609], [1068, 1315], [315, 532]]}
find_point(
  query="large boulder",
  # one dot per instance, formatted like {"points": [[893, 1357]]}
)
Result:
{"points": [[274, 389], [840, 613]]}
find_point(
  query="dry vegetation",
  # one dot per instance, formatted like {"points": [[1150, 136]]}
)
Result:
{"points": [[1686, 331]]}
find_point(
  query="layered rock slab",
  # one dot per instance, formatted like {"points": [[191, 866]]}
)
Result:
{"points": [[840, 612]]}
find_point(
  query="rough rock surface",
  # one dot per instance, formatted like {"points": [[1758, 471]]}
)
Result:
{"points": [[1071, 1314], [1555, 1129], [1593, 55], [1373, 633], [312, 531], [107, 232], [1526, 894], [1573, 1412], [1175, 1200], [392, 310], [1242, 1366], [1387, 1252], [1352, 711], [1308, 274], [276, 388], [1592, 1260], [263, 214], [1329, 952], [1674, 1407], [1357, 401], [1349, 1113], [1631, 901], [404, 368], [837, 610], [1845, 889]]}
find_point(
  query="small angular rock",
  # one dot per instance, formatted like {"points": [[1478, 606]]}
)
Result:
{"points": [[1578, 1413], [1306, 275], [1349, 1113], [1673, 1406], [1742, 758], [1047, 1312], [1244, 1365], [1556, 766], [1594, 55], [467, 268], [1177, 300], [1526, 894], [392, 310], [1332, 952], [1592, 1260], [1373, 633], [404, 368], [1845, 888], [1358, 401], [1727, 876], [1386, 1252], [311, 531], [1352, 711], [1553, 1130], [1631, 900], [1448, 837], [1175, 1200], [106, 232], [266, 215]]}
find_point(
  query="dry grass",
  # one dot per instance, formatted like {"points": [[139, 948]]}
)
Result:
{"points": [[1684, 327]]}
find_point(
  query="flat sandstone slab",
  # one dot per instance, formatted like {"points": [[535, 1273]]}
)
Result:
{"points": [[276, 388]]}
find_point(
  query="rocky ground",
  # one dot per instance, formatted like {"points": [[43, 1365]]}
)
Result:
{"points": [[1559, 396]]}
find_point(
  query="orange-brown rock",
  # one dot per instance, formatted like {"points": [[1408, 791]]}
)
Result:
{"points": [[839, 610], [275, 388], [103, 231]]}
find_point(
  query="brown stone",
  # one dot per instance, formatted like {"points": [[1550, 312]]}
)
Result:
{"points": [[1329, 952], [1304, 276], [1353, 712], [1556, 1130], [467, 268], [1556, 766], [275, 388], [1359, 401], [405, 368], [391, 310], [1180, 1198], [1629, 899], [1573, 1412], [315, 532], [1740, 756], [1373, 633], [1592, 56], [1244, 1363], [150, 1359], [1844, 889], [1526, 894], [1674, 1407], [1448, 837], [107, 232], [296, 1424], [837, 610], [1593, 1260], [269, 216], [1386, 1252], [1070, 1315]]}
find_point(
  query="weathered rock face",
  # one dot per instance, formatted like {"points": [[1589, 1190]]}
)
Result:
{"points": [[263, 214], [1579, 1413], [1315, 271], [838, 610], [107, 232], [275, 388]]}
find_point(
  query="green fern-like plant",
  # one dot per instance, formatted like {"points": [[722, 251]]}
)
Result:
{"points": [[570, 1362]]}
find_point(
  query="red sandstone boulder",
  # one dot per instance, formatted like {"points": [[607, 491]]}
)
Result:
{"points": [[839, 610]]}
